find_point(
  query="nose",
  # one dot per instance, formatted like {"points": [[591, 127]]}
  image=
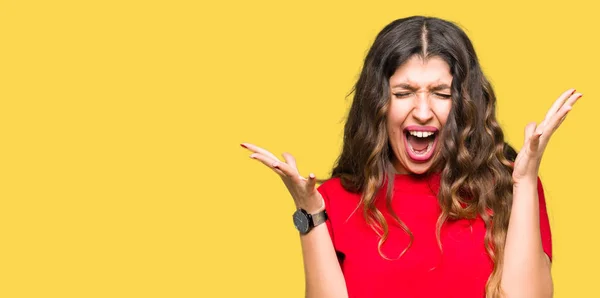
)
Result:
{"points": [[422, 108]]}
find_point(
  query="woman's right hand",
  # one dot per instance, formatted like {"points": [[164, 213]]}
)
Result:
{"points": [[303, 190]]}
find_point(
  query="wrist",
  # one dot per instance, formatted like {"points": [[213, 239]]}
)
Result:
{"points": [[525, 188], [523, 182], [306, 220], [315, 206]]}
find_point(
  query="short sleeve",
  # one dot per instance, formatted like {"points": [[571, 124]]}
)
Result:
{"points": [[322, 190], [331, 213], [544, 221]]}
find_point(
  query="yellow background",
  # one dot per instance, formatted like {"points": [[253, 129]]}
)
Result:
{"points": [[121, 173]]}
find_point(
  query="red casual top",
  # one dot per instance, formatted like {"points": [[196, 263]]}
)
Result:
{"points": [[461, 270]]}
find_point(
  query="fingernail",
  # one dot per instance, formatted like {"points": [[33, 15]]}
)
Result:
{"points": [[252, 156], [311, 175], [244, 146]]}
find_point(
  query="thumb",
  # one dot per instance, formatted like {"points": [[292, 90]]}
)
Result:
{"points": [[529, 130], [312, 181], [534, 141]]}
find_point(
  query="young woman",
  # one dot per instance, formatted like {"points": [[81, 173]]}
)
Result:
{"points": [[426, 199]]}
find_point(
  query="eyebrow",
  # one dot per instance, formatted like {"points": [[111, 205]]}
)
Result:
{"points": [[412, 88]]}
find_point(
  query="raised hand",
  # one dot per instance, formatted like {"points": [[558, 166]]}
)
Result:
{"points": [[528, 160], [303, 190]]}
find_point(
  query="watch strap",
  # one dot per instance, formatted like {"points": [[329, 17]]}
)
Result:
{"points": [[318, 218]]}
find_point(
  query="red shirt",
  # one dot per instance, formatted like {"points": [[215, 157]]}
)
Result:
{"points": [[461, 270]]}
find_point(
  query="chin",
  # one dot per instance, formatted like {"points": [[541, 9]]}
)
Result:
{"points": [[419, 169], [408, 167]]}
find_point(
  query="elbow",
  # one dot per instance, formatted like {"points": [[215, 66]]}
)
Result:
{"points": [[533, 280], [329, 292], [542, 287], [546, 292], [546, 284], [324, 295], [548, 288]]}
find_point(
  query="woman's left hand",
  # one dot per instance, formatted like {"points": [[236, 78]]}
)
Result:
{"points": [[528, 160]]}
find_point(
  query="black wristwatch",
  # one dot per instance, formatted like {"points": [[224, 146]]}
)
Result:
{"points": [[305, 222]]}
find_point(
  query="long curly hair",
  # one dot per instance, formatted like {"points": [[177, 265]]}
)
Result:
{"points": [[474, 161]]}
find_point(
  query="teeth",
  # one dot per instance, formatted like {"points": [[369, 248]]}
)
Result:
{"points": [[421, 134]]}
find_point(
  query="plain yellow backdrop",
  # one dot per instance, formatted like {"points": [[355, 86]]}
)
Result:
{"points": [[121, 173]]}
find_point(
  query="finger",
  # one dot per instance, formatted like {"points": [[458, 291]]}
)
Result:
{"points": [[541, 126], [290, 160], [558, 103], [560, 116], [534, 142], [562, 119], [280, 172], [260, 150], [562, 113], [529, 130], [287, 170], [573, 99], [277, 164], [566, 107], [532, 136], [312, 181], [267, 161]]}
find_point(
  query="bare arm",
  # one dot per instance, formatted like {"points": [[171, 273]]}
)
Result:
{"points": [[323, 275], [526, 271], [526, 267]]}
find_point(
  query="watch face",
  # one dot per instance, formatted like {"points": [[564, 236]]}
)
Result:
{"points": [[301, 221]]}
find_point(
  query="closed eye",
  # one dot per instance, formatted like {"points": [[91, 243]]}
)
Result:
{"points": [[400, 95]]}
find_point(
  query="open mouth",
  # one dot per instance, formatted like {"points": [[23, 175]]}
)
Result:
{"points": [[420, 142]]}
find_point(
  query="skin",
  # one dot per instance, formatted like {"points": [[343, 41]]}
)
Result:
{"points": [[526, 267], [417, 99]]}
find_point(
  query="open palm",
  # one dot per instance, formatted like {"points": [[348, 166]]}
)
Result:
{"points": [[303, 190], [537, 137]]}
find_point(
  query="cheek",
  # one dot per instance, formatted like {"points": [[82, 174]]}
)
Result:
{"points": [[394, 128], [397, 114], [394, 123], [392, 133], [443, 111]]}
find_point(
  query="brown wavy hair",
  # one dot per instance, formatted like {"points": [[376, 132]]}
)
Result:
{"points": [[473, 160]]}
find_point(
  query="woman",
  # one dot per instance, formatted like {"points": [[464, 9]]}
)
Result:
{"points": [[425, 199]]}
